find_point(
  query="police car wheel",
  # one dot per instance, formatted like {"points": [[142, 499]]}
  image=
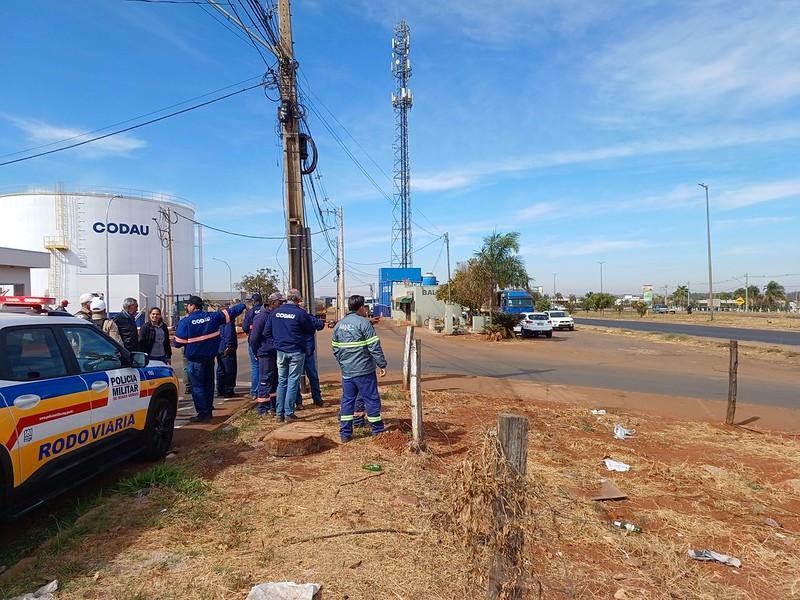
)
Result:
{"points": [[159, 430]]}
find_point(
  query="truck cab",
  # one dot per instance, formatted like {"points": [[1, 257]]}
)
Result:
{"points": [[515, 301]]}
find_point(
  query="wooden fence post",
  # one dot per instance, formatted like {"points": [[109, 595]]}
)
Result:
{"points": [[733, 368], [407, 356], [417, 432], [512, 433]]}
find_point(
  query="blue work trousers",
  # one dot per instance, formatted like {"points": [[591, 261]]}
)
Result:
{"points": [[313, 381], [267, 379], [290, 369], [253, 373], [226, 374], [201, 376], [365, 386]]}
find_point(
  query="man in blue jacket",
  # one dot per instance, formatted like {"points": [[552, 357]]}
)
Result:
{"points": [[267, 357], [310, 367], [288, 326], [247, 327], [226, 360], [198, 334]]}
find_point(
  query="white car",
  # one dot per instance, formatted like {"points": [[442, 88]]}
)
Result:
{"points": [[561, 319], [534, 324]]}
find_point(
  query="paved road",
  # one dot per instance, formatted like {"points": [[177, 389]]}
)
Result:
{"points": [[589, 359], [728, 333]]}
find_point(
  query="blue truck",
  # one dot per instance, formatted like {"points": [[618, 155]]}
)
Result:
{"points": [[515, 301]]}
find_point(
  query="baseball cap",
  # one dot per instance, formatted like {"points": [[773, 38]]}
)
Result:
{"points": [[256, 297], [195, 301], [87, 297], [97, 305], [65, 302], [276, 297]]}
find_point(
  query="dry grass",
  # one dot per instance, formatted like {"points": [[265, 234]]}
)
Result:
{"points": [[248, 523]]}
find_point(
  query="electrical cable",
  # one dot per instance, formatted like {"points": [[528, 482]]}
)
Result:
{"points": [[244, 235], [154, 112], [324, 276], [131, 128]]}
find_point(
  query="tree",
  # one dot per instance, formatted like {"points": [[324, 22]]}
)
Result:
{"points": [[467, 287], [264, 282], [500, 265], [774, 294], [543, 305], [681, 295], [641, 308], [595, 302], [619, 307]]}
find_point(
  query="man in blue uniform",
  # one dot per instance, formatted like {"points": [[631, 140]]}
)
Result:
{"points": [[267, 357], [310, 367], [198, 334], [226, 360], [357, 348], [288, 326], [247, 326]]}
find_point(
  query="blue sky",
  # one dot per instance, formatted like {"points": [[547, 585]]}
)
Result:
{"points": [[585, 126]]}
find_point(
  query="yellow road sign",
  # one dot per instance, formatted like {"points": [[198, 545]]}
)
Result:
{"points": [[740, 301]]}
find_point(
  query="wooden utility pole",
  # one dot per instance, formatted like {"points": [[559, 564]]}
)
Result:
{"points": [[341, 302], [733, 369], [289, 116], [409, 340], [504, 579]]}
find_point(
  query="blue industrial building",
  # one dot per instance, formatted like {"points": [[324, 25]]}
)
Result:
{"points": [[388, 276]]}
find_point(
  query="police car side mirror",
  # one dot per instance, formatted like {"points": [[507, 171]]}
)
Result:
{"points": [[139, 360]]}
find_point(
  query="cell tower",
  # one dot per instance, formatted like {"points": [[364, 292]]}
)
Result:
{"points": [[402, 254]]}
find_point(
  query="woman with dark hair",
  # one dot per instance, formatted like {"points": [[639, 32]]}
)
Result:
{"points": [[154, 337]]}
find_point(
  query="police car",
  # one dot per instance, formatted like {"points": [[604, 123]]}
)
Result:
{"points": [[73, 403]]}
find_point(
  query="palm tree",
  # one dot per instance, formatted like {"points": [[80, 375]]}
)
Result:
{"points": [[774, 293], [681, 295], [500, 264]]}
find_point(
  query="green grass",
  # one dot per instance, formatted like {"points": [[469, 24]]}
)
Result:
{"points": [[163, 476]]}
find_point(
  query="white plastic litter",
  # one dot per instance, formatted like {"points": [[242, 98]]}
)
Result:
{"points": [[710, 555], [284, 590], [621, 433], [615, 465], [598, 411], [46, 592]]}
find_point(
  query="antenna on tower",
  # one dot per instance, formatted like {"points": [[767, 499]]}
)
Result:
{"points": [[402, 254]]}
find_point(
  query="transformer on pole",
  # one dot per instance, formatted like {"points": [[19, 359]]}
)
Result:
{"points": [[402, 254]]}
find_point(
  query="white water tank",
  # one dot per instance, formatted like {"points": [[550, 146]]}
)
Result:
{"points": [[85, 245]]}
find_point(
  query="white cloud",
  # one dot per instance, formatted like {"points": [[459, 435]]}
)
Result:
{"points": [[729, 55], [534, 211], [46, 134], [707, 140], [591, 247], [758, 194]]}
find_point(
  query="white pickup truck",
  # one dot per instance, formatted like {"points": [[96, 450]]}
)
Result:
{"points": [[561, 319]]}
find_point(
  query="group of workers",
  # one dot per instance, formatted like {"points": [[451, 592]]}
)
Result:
{"points": [[282, 344], [282, 347]]}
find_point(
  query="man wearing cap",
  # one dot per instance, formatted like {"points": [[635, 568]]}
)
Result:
{"points": [[198, 333], [289, 326], [226, 360], [101, 321], [85, 312], [63, 306], [247, 326], [264, 350], [310, 366]]}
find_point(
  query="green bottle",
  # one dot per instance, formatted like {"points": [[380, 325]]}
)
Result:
{"points": [[372, 467], [627, 526]]}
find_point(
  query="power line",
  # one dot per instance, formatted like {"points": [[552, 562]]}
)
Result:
{"points": [[132, 127], [244, 235], [153, 112]]}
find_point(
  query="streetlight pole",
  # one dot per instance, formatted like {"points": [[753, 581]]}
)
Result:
{"points": [[708, 231], [108, 276], [554, 285], [601, 263], [230, 275]]}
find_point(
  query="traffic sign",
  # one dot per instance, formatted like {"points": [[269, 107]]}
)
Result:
{"points": [[740, 301]]}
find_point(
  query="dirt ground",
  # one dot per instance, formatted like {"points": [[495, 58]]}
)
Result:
{"points": [[223, 515], [750, 320]]}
